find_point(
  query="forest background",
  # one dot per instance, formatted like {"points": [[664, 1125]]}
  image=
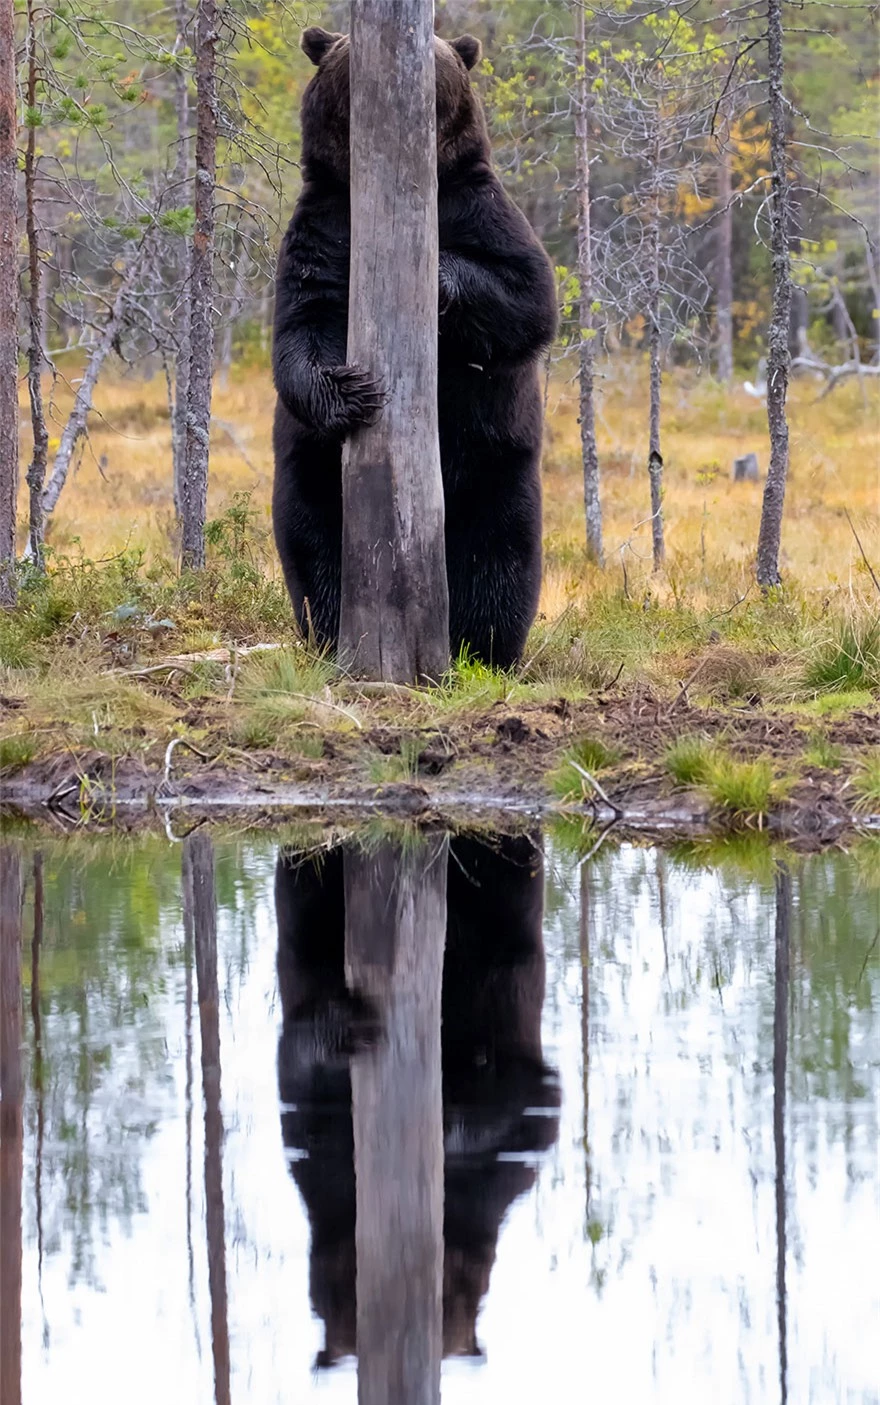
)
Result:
{"points": [[673, 106]]}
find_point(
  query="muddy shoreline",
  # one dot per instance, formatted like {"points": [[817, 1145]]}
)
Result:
{"points": [[95, 791]]}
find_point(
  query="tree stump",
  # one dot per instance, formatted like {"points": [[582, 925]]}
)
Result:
{"points": [[745, 470]]}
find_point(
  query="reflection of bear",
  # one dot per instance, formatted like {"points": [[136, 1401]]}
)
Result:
{"points": [[497, 312], [499, 1097]]}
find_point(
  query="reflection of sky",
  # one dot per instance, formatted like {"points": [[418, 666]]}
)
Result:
{"points": [[671, 1294]]}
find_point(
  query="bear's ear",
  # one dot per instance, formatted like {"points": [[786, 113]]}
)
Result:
{"points": [[316, 42], [468, 49]]}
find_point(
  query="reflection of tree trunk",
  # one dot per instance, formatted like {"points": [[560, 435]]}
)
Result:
{"points": [[585, 1021], [395, 925], [10, 1126], [36, 1016], [188, 1043], [198, 891], [780, 1048]]}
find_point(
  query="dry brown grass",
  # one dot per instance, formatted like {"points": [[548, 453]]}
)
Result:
{"points": [[121, 493]]}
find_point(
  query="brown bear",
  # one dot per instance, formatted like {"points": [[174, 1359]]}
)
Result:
{"points": [[497, 314]]}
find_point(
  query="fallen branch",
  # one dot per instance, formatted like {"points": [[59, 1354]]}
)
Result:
{"points": [[833, 374]]}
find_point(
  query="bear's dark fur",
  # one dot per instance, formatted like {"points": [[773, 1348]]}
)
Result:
{"points": [[497, 314], [494, 1073]]}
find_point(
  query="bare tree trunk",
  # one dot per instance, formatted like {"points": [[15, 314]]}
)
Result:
{"points": [[778, 358], [589, 451], [395, 930], [79, 415], [194, 488], [11, 1127], [394, 618], [36, 475], [655, 458], [8, 306], [198, 897], [724, 275], [182, 195], [780, 1059]]}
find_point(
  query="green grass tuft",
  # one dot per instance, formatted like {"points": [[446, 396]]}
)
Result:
{"points": [[689, 761], [745, 789], [16, 751], [587, 754], [850, 661], [866, 784], [823, 753]]}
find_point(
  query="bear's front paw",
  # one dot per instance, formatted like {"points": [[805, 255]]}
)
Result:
{"points": [[353, 398]]}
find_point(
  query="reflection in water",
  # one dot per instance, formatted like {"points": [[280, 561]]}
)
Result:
{"points": [[500, 1100], [704, 1223], [200, 919], [782, 966], [11, 1131]]}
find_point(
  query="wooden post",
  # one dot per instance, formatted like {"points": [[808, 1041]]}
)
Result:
{"points": [[395, 930], [394, 618]]}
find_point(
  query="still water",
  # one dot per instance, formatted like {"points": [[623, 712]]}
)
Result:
{"points": [[335, 1121]]}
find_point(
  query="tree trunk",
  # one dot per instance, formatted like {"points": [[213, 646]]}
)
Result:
{"points": [[182, 194], [395, 930], [655, 458], [194, 488], [36, 475], [780, 1059], [8, 305], [394, 618], [198, 899], [724, 275], [589, 452], [11, 1126], [778, 352], [79, 415]]}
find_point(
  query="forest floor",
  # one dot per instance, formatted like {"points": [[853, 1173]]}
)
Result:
{"points": [[681, 697]]}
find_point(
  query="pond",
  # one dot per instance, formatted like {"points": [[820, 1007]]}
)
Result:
{"points": [[389, 1116]]}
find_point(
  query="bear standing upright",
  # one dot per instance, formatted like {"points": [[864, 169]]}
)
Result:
{"points": [[497, 314]]}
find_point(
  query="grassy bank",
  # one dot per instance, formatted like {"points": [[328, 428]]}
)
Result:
{"points": [[686, 681]]}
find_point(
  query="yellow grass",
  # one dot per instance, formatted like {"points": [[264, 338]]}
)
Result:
{"points": [[121, 492]]}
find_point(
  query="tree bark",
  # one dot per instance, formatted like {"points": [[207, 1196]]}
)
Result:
{"points": [[198, 898], [394, 618], [778, 359], [11, 1126], [8, 306], [194, 488], [724, 275], [395, 930], [589, 451], [36, 475], [780, 1059], [181, 199], [655, 458]]}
